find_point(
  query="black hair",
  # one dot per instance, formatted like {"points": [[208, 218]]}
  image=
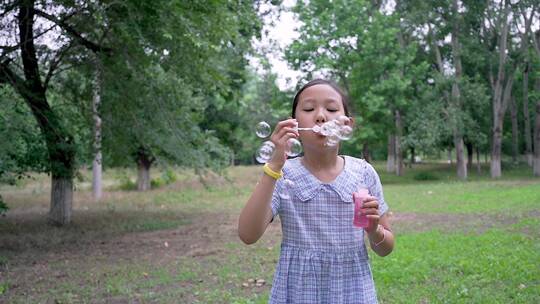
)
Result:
{"points": [[344, 98]]}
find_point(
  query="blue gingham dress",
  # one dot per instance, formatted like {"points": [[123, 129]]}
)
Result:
{"points": [[323, 256]]}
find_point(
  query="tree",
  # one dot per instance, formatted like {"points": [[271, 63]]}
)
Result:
{"points": [[536, 155], [365, 50], [23, 150], [32, 84], [169, 76]]}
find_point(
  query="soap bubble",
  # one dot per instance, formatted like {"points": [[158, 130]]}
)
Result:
{"points": [[288, 183], [263, 129], [326, 129], [335, 130], [294, 147], [332, 141], [345, 133], [343, 120], [287, 188], [265, 152]]}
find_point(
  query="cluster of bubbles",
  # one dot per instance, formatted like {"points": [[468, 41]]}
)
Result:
{"points": [[335, 131], [267, 148]]}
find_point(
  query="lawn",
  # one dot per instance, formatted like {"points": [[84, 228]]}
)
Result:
{"points": [[457, 242]]}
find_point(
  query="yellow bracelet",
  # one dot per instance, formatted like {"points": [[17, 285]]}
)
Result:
{"points": [[273, 174]]}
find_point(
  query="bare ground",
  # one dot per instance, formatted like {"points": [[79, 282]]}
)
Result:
{"points": [[204, 235]]}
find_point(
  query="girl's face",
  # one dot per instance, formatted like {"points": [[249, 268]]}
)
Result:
{"points": [[316, 105]]}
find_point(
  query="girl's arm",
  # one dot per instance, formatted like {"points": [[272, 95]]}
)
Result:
{"points": [[381, 239], [257, 212]]}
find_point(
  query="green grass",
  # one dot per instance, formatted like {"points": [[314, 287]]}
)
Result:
{"points": [[479, 242], [437, 267], [464, 197]]}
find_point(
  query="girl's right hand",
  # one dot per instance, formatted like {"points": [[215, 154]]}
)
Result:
{"points": [[284, 131]]}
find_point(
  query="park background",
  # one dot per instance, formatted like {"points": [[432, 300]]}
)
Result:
{"points": [[127, 143]]}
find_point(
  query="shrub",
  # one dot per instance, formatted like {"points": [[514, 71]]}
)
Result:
{"points": [[126, 183], [167, 177], [425, 176]]}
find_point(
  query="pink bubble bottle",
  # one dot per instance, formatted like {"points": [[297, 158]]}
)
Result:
{"points": [[360, 220]]}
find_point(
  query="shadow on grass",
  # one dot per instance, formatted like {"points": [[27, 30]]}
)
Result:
{"points": [[32, 232]]}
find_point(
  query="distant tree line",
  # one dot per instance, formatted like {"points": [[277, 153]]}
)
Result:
{"points": [[431, 75], [137, 83]]}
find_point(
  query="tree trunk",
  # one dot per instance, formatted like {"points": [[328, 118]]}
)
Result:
{"points": [[460, 159], [143, 177], [478, 166], [144, 162], [498, 101], [412, 157], [470, 152], [498, 120], [527, 116], [60, 144], [515, 139], [391, 158], [97, 185], [456, 97], [536, 157], [365, 152], [61, 200], [449, 155], [399, 153]]}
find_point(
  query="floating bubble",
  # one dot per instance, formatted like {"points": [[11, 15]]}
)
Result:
{"points": [[326, 129], [263, 129], [287, 189], [343, 120], [332, 141], [294, 147], [288, 183], [345, 133], [265, 152]]}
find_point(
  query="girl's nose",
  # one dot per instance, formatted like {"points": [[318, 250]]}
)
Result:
{"points": [[320, 118]]}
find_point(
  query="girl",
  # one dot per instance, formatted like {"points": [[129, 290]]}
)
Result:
{"points": [[323, 256]]}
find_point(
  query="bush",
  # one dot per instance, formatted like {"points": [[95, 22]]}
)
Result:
{"points": [[425, 176], [126, 183], [167, 177]]}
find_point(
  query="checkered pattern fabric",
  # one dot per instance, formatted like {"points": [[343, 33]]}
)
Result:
{"points": [[323, 256]]}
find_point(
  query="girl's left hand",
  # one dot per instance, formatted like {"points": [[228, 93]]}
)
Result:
{"points": [[371, 209]]}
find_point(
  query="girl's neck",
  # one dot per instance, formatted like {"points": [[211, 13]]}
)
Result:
{"points": [[325, 160]]}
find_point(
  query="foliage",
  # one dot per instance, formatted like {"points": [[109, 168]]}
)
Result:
{"points": [[168, 81], [261, 101], [23, 150], [425, 176], [367, 52]]}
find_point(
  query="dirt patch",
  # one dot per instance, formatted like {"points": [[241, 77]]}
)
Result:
{"points": [[468, 223], [205, 235]]}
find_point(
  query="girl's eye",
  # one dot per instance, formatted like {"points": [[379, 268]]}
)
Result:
{"points": [[332, 110], [308, 110]]}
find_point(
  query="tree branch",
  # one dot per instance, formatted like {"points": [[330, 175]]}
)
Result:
{"points": [[9, 8], [54, 64], [8, 76], [96, 48], [10, 48]]}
